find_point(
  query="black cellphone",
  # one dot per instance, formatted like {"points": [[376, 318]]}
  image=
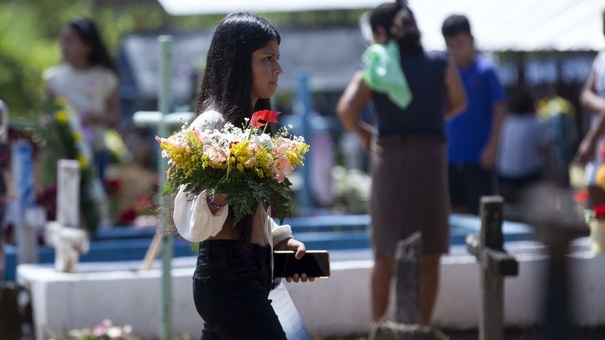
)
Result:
{"points": [[315, 263]]}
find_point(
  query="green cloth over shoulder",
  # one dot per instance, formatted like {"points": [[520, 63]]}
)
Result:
{"points": [[383, 73]]}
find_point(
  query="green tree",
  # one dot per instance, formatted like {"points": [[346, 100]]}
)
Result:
{"points": [[29, 31]]}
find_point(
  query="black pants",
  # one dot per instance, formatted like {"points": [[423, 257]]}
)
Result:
{"points": [[231, 292], [467, 183]]}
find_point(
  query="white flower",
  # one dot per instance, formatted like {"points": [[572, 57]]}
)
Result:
{"points": [[263, 140]]}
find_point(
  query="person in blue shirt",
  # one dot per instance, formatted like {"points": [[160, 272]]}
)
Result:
{"points": [[473, 136]]}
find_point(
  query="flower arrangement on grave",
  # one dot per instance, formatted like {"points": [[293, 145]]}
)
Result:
{"points": [[105, 330], [595, 218], [246, 164], [65, 140]]}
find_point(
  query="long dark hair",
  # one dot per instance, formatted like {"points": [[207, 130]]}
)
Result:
{"points": [[406, 30], [227, 83], [89, 34], [383, 15]]}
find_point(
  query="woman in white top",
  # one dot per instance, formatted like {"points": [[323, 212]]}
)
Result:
{"points": [[88, 78], [233, 275]]}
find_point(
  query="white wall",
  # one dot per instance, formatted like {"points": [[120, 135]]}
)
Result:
{"points": [[336, 306]]}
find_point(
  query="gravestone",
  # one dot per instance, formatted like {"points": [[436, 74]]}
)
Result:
{"points": [[407, 298], [65, 233], [68, 193]]}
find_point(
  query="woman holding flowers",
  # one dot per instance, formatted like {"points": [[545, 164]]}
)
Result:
{"points": [[233, 276]]}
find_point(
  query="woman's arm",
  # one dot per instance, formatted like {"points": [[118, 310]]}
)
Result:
{"points": [[591, 101], [589, 97], [456, 96], [194, 218], [283, 240], [355, 97], [111, 116], [586, 149], [490, 151]]}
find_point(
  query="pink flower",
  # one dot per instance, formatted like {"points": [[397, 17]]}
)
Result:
{"points": [[253, 146], [280, 147], [281, 167], [216, 154], [201, 136]]}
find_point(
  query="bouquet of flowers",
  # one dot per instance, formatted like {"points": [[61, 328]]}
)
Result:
{"points": [[246, 164]]}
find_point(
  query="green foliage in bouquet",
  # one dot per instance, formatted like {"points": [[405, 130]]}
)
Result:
{"points": [[246, 164]]}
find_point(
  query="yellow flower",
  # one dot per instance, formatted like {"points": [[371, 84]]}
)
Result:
{"points": [[77, 136], [83, 161], [600, 177], [62, 101], [62, 116]]}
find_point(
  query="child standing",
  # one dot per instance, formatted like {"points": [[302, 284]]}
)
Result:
{"points": [[88, 78]]}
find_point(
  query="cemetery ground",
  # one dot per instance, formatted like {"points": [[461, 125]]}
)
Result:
{"points": [[533, 333]]}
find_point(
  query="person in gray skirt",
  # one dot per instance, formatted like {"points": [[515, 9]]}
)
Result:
{"points": [[408, 149]]}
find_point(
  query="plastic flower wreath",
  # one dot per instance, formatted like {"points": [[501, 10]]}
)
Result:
{"points": [[246, 164]]}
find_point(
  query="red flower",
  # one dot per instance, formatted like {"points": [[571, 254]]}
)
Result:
{"points": [[260, 118], [127, 216], [581, 197], [143, 203], [599, 210], [113, 185]]}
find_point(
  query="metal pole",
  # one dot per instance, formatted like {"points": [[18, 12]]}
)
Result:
{"points": [[164, 103], [303, 102]]}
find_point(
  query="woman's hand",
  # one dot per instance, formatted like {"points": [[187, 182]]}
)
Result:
{"points": [[585, 152], [217, 199], [300, 250]]}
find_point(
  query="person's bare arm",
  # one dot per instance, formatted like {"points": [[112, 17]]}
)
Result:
{"points": [[300, 251], [586, 150], [490, 151], [456, 96], [109, 118], [349, 107], [113, 109], [589, 98]]}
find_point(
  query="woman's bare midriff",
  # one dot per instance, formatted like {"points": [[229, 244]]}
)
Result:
{"points": [[258, 231], [227, 234]]}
